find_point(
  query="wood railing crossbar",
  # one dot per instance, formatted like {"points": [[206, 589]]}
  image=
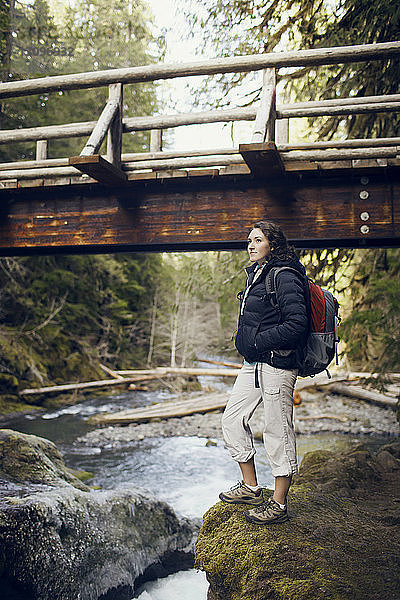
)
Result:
{"points": [[184, 163], [142, 157], [146, 156], [301, 109], [315, 57], [340, 111], [288, 156], [293, 155]]}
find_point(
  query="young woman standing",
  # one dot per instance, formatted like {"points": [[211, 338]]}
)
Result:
{"points": [[267, 340]]}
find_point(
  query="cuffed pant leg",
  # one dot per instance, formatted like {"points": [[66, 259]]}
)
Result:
{"points": [[277, 387], [243, 401]]}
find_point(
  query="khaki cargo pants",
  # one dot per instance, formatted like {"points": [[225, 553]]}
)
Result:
{"points": [[276, 392]]}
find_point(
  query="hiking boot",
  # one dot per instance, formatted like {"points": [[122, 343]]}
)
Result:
{"points": [[267, 512], [241, 494]]}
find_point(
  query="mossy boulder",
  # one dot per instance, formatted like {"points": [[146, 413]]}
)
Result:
{"points": [[29, 458], [61, 540], [342, 541]]}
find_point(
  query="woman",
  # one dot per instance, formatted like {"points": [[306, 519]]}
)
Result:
{"points": [[267, 339]]}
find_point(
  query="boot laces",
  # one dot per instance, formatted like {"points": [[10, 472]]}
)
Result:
{"points": [[237, 486]]}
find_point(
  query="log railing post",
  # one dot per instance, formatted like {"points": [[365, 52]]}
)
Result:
{"points": [[156, 140], [104, 170], [114, 138], [101, 128], [282, 131], [264, 127], [41, 149]]}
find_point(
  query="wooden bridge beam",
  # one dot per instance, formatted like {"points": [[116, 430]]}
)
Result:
{"points": [[99, 168], [351, 208]]}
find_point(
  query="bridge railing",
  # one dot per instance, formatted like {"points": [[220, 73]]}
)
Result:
{"points": [[114, 167]]}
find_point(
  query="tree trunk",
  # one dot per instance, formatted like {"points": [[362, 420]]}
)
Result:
{"points": [[8, 38], [5, 72], [185, 328], [152, 330], [174, 327]]}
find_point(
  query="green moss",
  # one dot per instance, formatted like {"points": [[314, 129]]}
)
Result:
{"points": [[81, 475], [28, 458], [10, 405], [334, 547]]}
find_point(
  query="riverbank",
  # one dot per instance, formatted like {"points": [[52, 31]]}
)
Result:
{"points": [[317, 413]]}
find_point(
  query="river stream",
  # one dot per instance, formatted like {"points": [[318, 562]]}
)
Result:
{"points": [[186, 472]]}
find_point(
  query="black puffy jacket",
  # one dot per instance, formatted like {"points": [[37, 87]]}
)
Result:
{"points": [[264, 334]]}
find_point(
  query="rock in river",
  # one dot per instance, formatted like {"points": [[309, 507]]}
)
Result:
{"points": [[60, 540], [342, 541]]}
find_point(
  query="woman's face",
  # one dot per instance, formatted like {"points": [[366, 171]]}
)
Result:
{"points": [[258, 246]]}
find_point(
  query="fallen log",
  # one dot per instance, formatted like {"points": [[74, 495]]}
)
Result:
{"points": [[81, 386], [223, 363], [110, 372], [163, 371], [135, 376], [361, 374], [163, 410], [322, 382], [355, 391], [138, 388]]}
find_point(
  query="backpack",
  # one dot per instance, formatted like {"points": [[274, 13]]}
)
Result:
{"points": [[322, 337]]}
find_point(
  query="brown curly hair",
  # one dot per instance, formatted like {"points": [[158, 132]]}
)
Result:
{"points": [[277, 240]]}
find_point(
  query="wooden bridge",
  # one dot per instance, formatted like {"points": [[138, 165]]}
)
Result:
{"points": [[336, 193]]}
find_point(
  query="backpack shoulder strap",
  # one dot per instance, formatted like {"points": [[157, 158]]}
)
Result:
{"points": [[270, 284], [270, 287]]}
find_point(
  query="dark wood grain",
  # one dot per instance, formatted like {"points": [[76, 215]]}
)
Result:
{"points": [[314, 210]]}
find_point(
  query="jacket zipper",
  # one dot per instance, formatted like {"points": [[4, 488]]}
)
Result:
{"points": [[247, 290]]}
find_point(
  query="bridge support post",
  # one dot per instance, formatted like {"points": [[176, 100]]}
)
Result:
{"points": [[41, 149], [110, 124], [282, 131], [114, 138], [264, 127], [156, 140], [261, 155]]}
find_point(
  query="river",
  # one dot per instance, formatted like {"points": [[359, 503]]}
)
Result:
{"points": [[194, 469]]}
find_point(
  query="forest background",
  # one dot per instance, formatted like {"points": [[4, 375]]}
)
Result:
{"points": [[61, 316]]}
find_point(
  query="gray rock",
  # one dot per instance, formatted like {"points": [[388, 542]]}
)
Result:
{"points": [[386, 461], [60, 542]]}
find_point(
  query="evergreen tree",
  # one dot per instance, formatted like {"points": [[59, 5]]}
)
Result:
{"points": [[62, 315], [254, 26], [372, 330], [93, 36]]}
